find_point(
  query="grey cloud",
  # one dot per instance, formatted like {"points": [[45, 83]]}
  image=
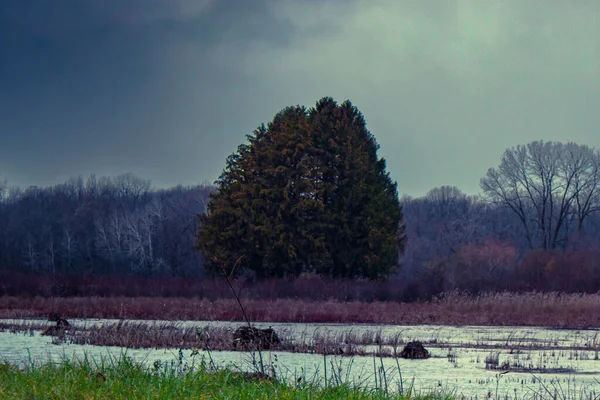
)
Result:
{"points": [[105, 86], [446, 89], [167, 89]]}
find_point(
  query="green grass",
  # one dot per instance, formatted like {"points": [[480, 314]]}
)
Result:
{"points": [[125, 379]]}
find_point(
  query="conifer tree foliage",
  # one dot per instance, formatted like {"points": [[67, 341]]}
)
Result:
{"points": [[306, 194]]}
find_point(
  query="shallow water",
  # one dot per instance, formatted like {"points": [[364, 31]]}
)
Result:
{"points": [[457, 363]]}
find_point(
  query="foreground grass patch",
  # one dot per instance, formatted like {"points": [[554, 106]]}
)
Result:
{"points": [[125, 379]]}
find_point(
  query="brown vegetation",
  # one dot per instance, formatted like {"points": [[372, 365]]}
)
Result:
{"points": [[174, 335], [347, 342], [474, 268], [540, 309]]}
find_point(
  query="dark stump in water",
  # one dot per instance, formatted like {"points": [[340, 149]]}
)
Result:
{"points": [[247, 338], [61, 325], [414, 350]]}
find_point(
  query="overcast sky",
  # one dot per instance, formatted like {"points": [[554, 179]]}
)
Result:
{"points": [[167, 89]]}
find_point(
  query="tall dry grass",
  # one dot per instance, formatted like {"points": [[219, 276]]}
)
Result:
{"points": [[541, 309]]}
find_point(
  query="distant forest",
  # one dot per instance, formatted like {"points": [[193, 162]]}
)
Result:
{"points": [[117, 225], [122, 226]]}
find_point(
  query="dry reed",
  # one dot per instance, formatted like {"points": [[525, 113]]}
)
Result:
{"points": [[501, 309]]}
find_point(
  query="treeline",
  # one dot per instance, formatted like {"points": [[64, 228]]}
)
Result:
{"points": [[467, 243], [116, 225], [309, 288], [122, 226]]}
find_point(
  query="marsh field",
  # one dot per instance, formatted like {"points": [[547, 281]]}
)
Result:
{"points": [[494, 345], [474, 361]]}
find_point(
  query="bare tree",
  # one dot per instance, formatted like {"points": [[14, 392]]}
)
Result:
{"points": [[110, 237], [547, 185], [91, 186], [31, 254], [141, 227], [132, 188], [67, 243], [101, 225], [448, 201], [3, 190]]}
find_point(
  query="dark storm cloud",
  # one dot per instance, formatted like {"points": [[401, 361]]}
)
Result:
{"points": [[168, 88], [92, 86]]}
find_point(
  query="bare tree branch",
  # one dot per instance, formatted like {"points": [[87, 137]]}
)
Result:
{"points": [[546, 183]]}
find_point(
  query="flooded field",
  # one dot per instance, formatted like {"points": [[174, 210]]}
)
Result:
{"points": [[477, 361]]}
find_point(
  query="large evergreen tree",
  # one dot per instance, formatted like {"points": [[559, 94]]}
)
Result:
{"points": [[307, 193]]}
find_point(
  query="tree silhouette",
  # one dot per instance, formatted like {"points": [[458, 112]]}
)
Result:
{"points": [[550, 186]]}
